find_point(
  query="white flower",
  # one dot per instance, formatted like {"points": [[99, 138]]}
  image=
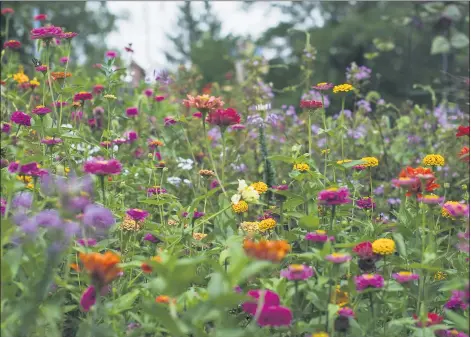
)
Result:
{"points": [[174, 181], [235, 198], [186, 181], [248, 193], [185, 164], [242, 186]]}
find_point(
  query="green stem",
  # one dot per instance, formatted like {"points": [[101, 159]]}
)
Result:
{"points": [[341, 119], [309, 131], [223, 153], [332, 217]]}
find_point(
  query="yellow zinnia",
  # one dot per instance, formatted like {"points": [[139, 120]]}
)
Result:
{"points": [[434, 160], [343, 88], [303, 167], [370, 161], [384, 247]]}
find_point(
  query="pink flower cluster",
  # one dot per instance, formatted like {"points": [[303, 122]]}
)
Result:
{"points": [[297, 272], [46, 32], [319, 236], [365, 281], [271, 312], [100, 166], [334, 196]]}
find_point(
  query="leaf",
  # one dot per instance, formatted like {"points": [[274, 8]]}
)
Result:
{"points": [[292, 203], [440, 45], [309, 222], [124, 302], [452, 12], [401, 246], [461, 322], [216, 285], [459, 40], [285, 159], [253, 268]]}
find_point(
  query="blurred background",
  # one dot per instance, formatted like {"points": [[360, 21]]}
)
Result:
{"points": [[425, 42]]}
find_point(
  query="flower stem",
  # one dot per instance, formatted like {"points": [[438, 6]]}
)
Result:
{"points": [[341, 118], [309, 131], [223, 154], [102, 183], [332, 216]]}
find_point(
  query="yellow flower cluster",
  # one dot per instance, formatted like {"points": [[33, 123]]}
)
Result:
{"points": [[20, 77], [384, 247], [34, 82], [199, 236], [260, 187], [240, 207], [325, 151], [250, 227], [303, 167], [370, 161], [320, 334], [434, 160], [129, 224], [266, 225], [343, 88], [110, 97], [439, 276]]}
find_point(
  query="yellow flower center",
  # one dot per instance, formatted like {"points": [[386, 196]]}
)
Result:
{"points": [[405, 273], [320, 231], [296, 267], [368, 276]]}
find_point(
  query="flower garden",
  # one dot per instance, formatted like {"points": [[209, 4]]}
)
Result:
{"points": [[170, 210]]}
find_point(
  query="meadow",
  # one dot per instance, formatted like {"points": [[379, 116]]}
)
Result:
{"points": [[171, 209]]}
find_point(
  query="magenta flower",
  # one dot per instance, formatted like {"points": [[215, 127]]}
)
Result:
{"points": [[338, 258], [137, 214], [40, 17], [98, 89], [83, 96], [12, 44], [198, 115], [297, 272], [431, 199], [458, 300], [47, 33], [132, 112], [119, 141], [29, 168], [214, 183], [346, 312], [323, 86], [51, 141], [13, 166], [148, 92], [64, 60], [6, 127], [131, 136], [58, 104], [366, 203], [86, 242], [457, 210], [151, 238], [20, 118], [68, 35], [41, 110], [76, 116], [111, 54], [405, 276], [156, 190], [280, 187], [99, 166], [319, 236], [3, 206], [364, 250], [159, 98], [169, 120], [334, 196], [271, 313], [237, 127], [365, 281], [88, 298]]}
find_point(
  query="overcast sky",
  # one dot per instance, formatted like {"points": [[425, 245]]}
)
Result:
{"points": [[148, 22]]}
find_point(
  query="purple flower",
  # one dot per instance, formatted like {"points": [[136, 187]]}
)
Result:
{"points": [[338, 258], [87, 242], [394, 201], [334, 196], [98, 217], [151, 238], [346, 312], [365, 281], [48, 218], [149, 92], [169, 120], [6, 127], [364, 105], [238, 289], [379, 190], [255, 120], [163, 77], [366, 203], [405, 276], [214, 184], [137, 214], [458, 300], [155, 190], [319, 236], [297, 272], [3, 206], [197, 215], [132, 112], [20, 118], [23, 200], [354, 72], [88, 298], [14, 166]]}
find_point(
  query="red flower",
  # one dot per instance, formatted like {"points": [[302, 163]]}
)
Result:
{"points": [[415, 174], [464, 154], [462, 131], [83, 96], [159, 98], [7, 11], [432, 319], [98, 89], [12, 44], [310, 104], [364, 249], [40, 17], [223, 118]]}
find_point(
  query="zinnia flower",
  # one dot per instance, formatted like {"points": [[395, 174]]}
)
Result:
{"points": [[343, 88], [7, 10], [370, 161], [41, 110], [148, 92], [151, 238], [132, 111], [463, 131], [20, 118], [250, 227], [334, 196], [223, 118], [365, 281], [302, 167], [6, 127], [464, 154], [411, 178], [103, 268], [434, 160], [203, 102], [156, 190], [318, 236], [271, 313], [86, 242], [366, 203], [384, 246], [260, 187], [12, 44], [310, 104], [455, 209], [458, 300], [240, 206], [88, 298], [364, 250], [266, 224], [51, 141], [40, 17], [137, 214], [68, 35], [60, 75], [159, 98], [431, 199], [432, 319], [111, 54], [273, 251], [46, 33], [83, 96], [99, 166], [405, 276], [338, 258], [169, 120], [323, 86], [297, 272]]}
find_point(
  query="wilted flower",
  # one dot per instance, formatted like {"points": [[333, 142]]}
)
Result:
{"points": [[203, 102]]}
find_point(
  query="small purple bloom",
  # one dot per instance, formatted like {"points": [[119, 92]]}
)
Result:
{"points": [[86, 242], [150, 237], [98, 217], [23, 199]]}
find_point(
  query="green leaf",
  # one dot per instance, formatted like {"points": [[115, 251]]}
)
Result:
{"points": [[459, 40], [461, 322], [285, 159], [309, 222], [124, 302], [401, 246], [452, 12], [292, 203], [216, 285], [440, 45]]}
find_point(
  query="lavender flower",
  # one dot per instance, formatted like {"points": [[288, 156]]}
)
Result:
{"points": [[98, 217], [364, 105], [255, 120], [23, 200]]}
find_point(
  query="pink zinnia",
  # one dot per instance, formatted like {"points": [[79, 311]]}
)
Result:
{"points": [[238, 127], [132, 111], [334, 196], [271, 313], [41, 110], [64, 60], [40, 17], [68, 35], [99, 166], [6, 127], [111, 54], [119, 141], [319, 236], [338, 258], [346, 312], [366, 203], [431, 199], [131, 136], [13, 166], [405, 182], [51, 141], [198, 114], [310, 104], [223, 118], [148, 92], [98, 89], [137, 214], [365, 281], [20, 118], [323, 86], [47, 32], [169, 120], [297, 272], [458, 300], [12, 44], [405, 276], [83, 96], [457, 210], [159, 98], [88, 298], [7, 10], [41, 68]]}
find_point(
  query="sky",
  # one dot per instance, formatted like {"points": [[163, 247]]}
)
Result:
{"points": [[149, 21]]}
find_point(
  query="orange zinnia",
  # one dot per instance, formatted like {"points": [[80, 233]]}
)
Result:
{"points": [[273, 251], [419, 173], [103, 268], [60, 75], [146, 268], [164, 299], [464, 154]]}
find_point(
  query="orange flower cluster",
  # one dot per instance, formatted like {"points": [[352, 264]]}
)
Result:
{"points": [[417, 175], [273, 251], [60, 75], [103, 268], [203, 102]]}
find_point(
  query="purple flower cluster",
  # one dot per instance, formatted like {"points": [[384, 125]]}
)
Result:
{"points": [[365, 281], [366, 203], [357, 73], [459, 300], [334, 196]]}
